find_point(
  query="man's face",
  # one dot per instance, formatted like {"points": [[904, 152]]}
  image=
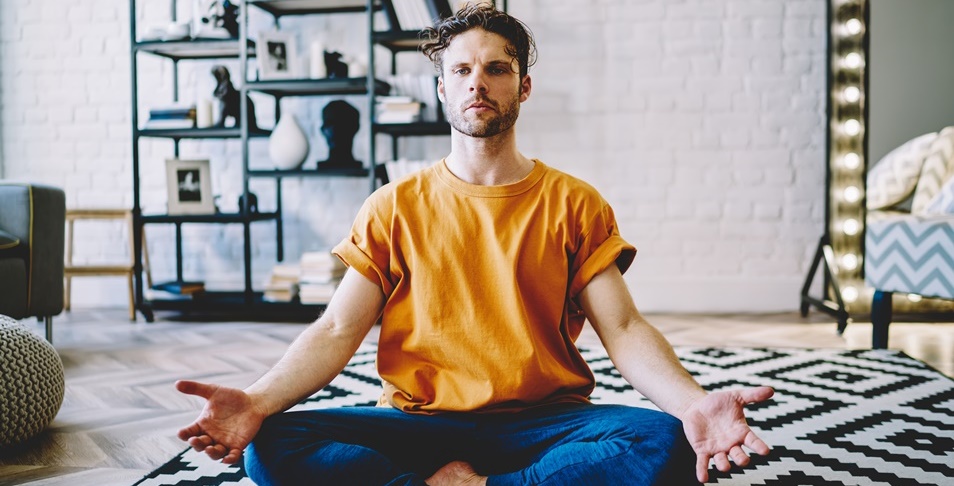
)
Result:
{"points": [[480, 84]]}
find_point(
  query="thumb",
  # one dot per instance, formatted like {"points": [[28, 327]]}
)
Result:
{"points": [[756, 394], [195, 388]]}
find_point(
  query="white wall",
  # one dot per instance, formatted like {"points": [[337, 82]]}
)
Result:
{"points": [[701, 121]]}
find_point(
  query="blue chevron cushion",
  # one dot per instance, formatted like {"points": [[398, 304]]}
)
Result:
{"points": [[910, 254], [938, 168], [895, 176]]}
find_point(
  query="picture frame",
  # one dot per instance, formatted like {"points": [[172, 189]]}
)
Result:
{"points": [[277, 54], [189, 187]]}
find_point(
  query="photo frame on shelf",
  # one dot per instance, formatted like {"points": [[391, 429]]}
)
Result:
{"points": [[277, 55], [189, 187]]}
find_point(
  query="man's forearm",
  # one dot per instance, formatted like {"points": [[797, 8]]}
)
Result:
{"points": [[323, 349], [647, 361], [309, 364]]}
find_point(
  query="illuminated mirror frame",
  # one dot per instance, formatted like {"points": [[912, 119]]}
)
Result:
{"points": [[840, 250], [847, 147]]}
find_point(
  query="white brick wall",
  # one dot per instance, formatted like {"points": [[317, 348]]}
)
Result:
{"points": [[701, 121]]}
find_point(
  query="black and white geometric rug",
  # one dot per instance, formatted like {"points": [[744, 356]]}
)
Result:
{"points": [[863, 417]]}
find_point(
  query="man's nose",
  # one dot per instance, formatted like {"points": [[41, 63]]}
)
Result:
{"points": [[477, 83]]}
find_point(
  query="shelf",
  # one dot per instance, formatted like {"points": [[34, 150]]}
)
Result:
{"points": [[230, 132], [413, 129], [208, 218], [362, 172], [195, 49], [398, 40], [328, 86], [279, 8], [233, 303]]}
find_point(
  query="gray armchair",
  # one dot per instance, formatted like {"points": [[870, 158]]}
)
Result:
{"points": [[32, 219]]}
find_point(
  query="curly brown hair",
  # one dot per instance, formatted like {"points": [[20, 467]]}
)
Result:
{"points": [[520, 44]]}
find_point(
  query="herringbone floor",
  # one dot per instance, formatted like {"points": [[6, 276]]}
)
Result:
{"points": [[120, 414]]}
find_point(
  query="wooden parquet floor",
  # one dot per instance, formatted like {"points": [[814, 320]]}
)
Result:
{"points": [[120, 412]]}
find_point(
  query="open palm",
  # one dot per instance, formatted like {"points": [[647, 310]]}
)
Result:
{"points": [[227, 424], [716, 429]]}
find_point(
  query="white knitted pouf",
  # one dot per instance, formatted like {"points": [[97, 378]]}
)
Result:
{"points": [[31, 383]]}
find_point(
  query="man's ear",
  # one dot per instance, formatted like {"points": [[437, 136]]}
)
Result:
{"points": [[440, 89], [525, 86]]}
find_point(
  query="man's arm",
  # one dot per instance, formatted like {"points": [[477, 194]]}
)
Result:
{"points": [[232, 417], [323, 349], [639, 351], [714, 423]]}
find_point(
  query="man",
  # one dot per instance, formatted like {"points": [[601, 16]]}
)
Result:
{"points": [[482, 269]]}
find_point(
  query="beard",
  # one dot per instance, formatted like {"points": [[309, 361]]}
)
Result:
{"points": [[488, 125]]}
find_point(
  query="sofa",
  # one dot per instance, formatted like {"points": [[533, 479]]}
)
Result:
{"points": [[909, 240], [32, 224]]}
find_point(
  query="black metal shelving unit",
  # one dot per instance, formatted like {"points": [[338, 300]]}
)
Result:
{"points": [[247, 301]]}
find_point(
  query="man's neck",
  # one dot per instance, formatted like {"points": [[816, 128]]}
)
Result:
{"points": [[490, 161]]}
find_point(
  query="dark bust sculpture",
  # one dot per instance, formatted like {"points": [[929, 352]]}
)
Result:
{"points": [[340, 122], [229, 99]]}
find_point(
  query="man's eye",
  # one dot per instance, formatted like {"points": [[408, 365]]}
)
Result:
{"points": [[461, 71]]}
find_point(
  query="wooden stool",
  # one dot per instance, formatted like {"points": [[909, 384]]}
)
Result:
{"points": [[70, 270]]}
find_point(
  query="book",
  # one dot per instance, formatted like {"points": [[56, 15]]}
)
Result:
{"points": [[180, 287]]}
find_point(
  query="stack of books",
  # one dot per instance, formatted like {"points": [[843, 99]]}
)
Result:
{"points": [[171, 117], [420, 88], [282, 283], [397, 109], [321, 272]]}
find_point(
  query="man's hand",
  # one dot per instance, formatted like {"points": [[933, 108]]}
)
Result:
{"points": [[716, 428], [227, 424]]}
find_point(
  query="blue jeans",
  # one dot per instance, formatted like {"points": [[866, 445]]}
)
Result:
{"points": [[572, 444]]}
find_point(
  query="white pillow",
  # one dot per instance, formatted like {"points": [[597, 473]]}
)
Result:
{"points": [[938, 168], [943, 202], [895, 176]]}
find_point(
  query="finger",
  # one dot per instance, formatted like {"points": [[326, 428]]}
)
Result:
{"points": [[753, 442], [702, 467], [722, 462], [233, 456], [217, 451], [757, 394], [200, 443], [195, 388], [739, 456], [187, 432]]}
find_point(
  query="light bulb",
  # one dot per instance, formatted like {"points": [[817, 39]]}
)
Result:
{"points": [[849, 261], [851, 94], [851, 161], [850, 294], [852, 60], [852, 194], [850, 227], [852, 127], [853, 26], [914, 298]]}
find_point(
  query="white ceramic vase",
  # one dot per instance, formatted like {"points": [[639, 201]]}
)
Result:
{"points": [[288, 145]]}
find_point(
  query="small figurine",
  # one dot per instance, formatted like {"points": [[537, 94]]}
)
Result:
{"points": [[340, 122], [219, 21], [335, 67], [229, 99]]}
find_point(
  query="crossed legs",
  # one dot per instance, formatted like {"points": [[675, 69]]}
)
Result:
{"points": [[554, 445]]}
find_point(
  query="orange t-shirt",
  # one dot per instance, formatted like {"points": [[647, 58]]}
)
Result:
{"points": [[481, 283]]}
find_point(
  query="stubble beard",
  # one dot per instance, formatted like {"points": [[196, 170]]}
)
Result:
{"points": [[503, 120]]}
